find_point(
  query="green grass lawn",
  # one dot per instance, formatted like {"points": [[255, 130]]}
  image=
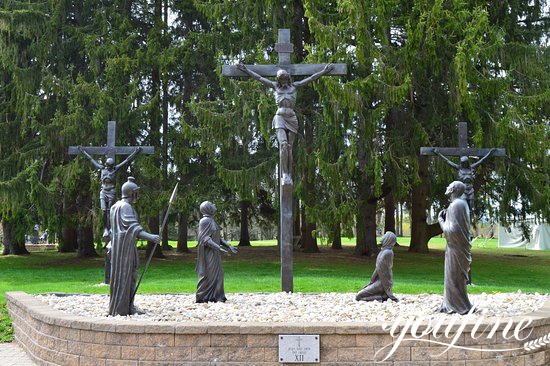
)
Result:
{"points": [[257, 269]]}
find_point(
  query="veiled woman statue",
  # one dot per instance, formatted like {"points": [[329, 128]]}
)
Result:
{"points": [[455, 223], [381, 283], [209, 262]]}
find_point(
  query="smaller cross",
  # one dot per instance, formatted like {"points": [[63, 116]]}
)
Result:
{"points": [[111, 150], [462, 149], [464, 168], [108, 175]]}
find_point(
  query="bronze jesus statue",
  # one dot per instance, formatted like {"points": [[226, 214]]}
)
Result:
{"points": [[108, 173], [465, 173], [285, 122]]}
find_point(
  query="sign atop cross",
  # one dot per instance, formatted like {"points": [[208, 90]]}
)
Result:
{"points": [[111, 150], [285, 123], [285, 49]]}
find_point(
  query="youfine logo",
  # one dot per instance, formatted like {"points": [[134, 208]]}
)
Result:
{"points": [[419, 327]]}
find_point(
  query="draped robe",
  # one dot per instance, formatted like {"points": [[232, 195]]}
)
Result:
{"points": [[380, 287], [124, 258], [458, 257], [209, 267]]}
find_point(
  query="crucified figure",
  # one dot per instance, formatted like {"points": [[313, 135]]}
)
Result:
{"points": [[285, 122], [465, 174], [108, 172]]}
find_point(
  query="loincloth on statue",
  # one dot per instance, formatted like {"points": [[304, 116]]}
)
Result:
{"points": [[106, 196], [285, 118]]}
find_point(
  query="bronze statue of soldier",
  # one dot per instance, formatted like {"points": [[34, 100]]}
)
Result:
{"points": [[125, 230]]}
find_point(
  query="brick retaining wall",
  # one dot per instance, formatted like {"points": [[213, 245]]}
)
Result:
{"points": [[52, 337]]}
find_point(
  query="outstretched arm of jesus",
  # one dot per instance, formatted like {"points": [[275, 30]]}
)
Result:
{"points": [[483, 158], [130, 157], [95, 162], [261, 79], [445, 159], [328, 68]]}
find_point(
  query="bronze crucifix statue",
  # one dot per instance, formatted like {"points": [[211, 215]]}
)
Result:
{"points": [[285, 124]]}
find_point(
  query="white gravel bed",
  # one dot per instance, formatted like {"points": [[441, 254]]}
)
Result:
{"points": [[293, 307]]}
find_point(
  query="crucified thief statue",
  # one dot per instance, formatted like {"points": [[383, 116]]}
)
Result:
{"points": [[108, 172], [465, 173], [285, 122]]}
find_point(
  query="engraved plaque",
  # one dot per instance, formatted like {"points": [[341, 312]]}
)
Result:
{"points": [[298, 348]]}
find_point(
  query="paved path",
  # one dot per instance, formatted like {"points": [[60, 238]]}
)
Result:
{"points": [[13, 355]]}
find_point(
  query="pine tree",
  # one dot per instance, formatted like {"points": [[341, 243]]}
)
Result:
{"points": [[358, 33], [21, 27]]}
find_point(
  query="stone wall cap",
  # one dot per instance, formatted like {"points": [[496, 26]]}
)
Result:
{"points": [[47, 314]]}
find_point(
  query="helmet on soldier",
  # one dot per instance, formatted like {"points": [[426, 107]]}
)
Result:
{"points": [[130, 188]]}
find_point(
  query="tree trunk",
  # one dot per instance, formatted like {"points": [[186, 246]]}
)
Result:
{"points": [[155, 126], [309, 242], [366, 212], [421, 231], [85, 242], [366, 223], [370, 229], [164, 105], [389, 213], [361, 237], [302, 226], [14, 239], [182, 233], [165, 240], [308, 239], [244, 240], [400, 218], [154, 228], [165, 243], [68, 239], [337, 236]]}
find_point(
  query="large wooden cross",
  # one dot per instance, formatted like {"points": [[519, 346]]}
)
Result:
{"points": [[284, 49], [111, 150]]}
